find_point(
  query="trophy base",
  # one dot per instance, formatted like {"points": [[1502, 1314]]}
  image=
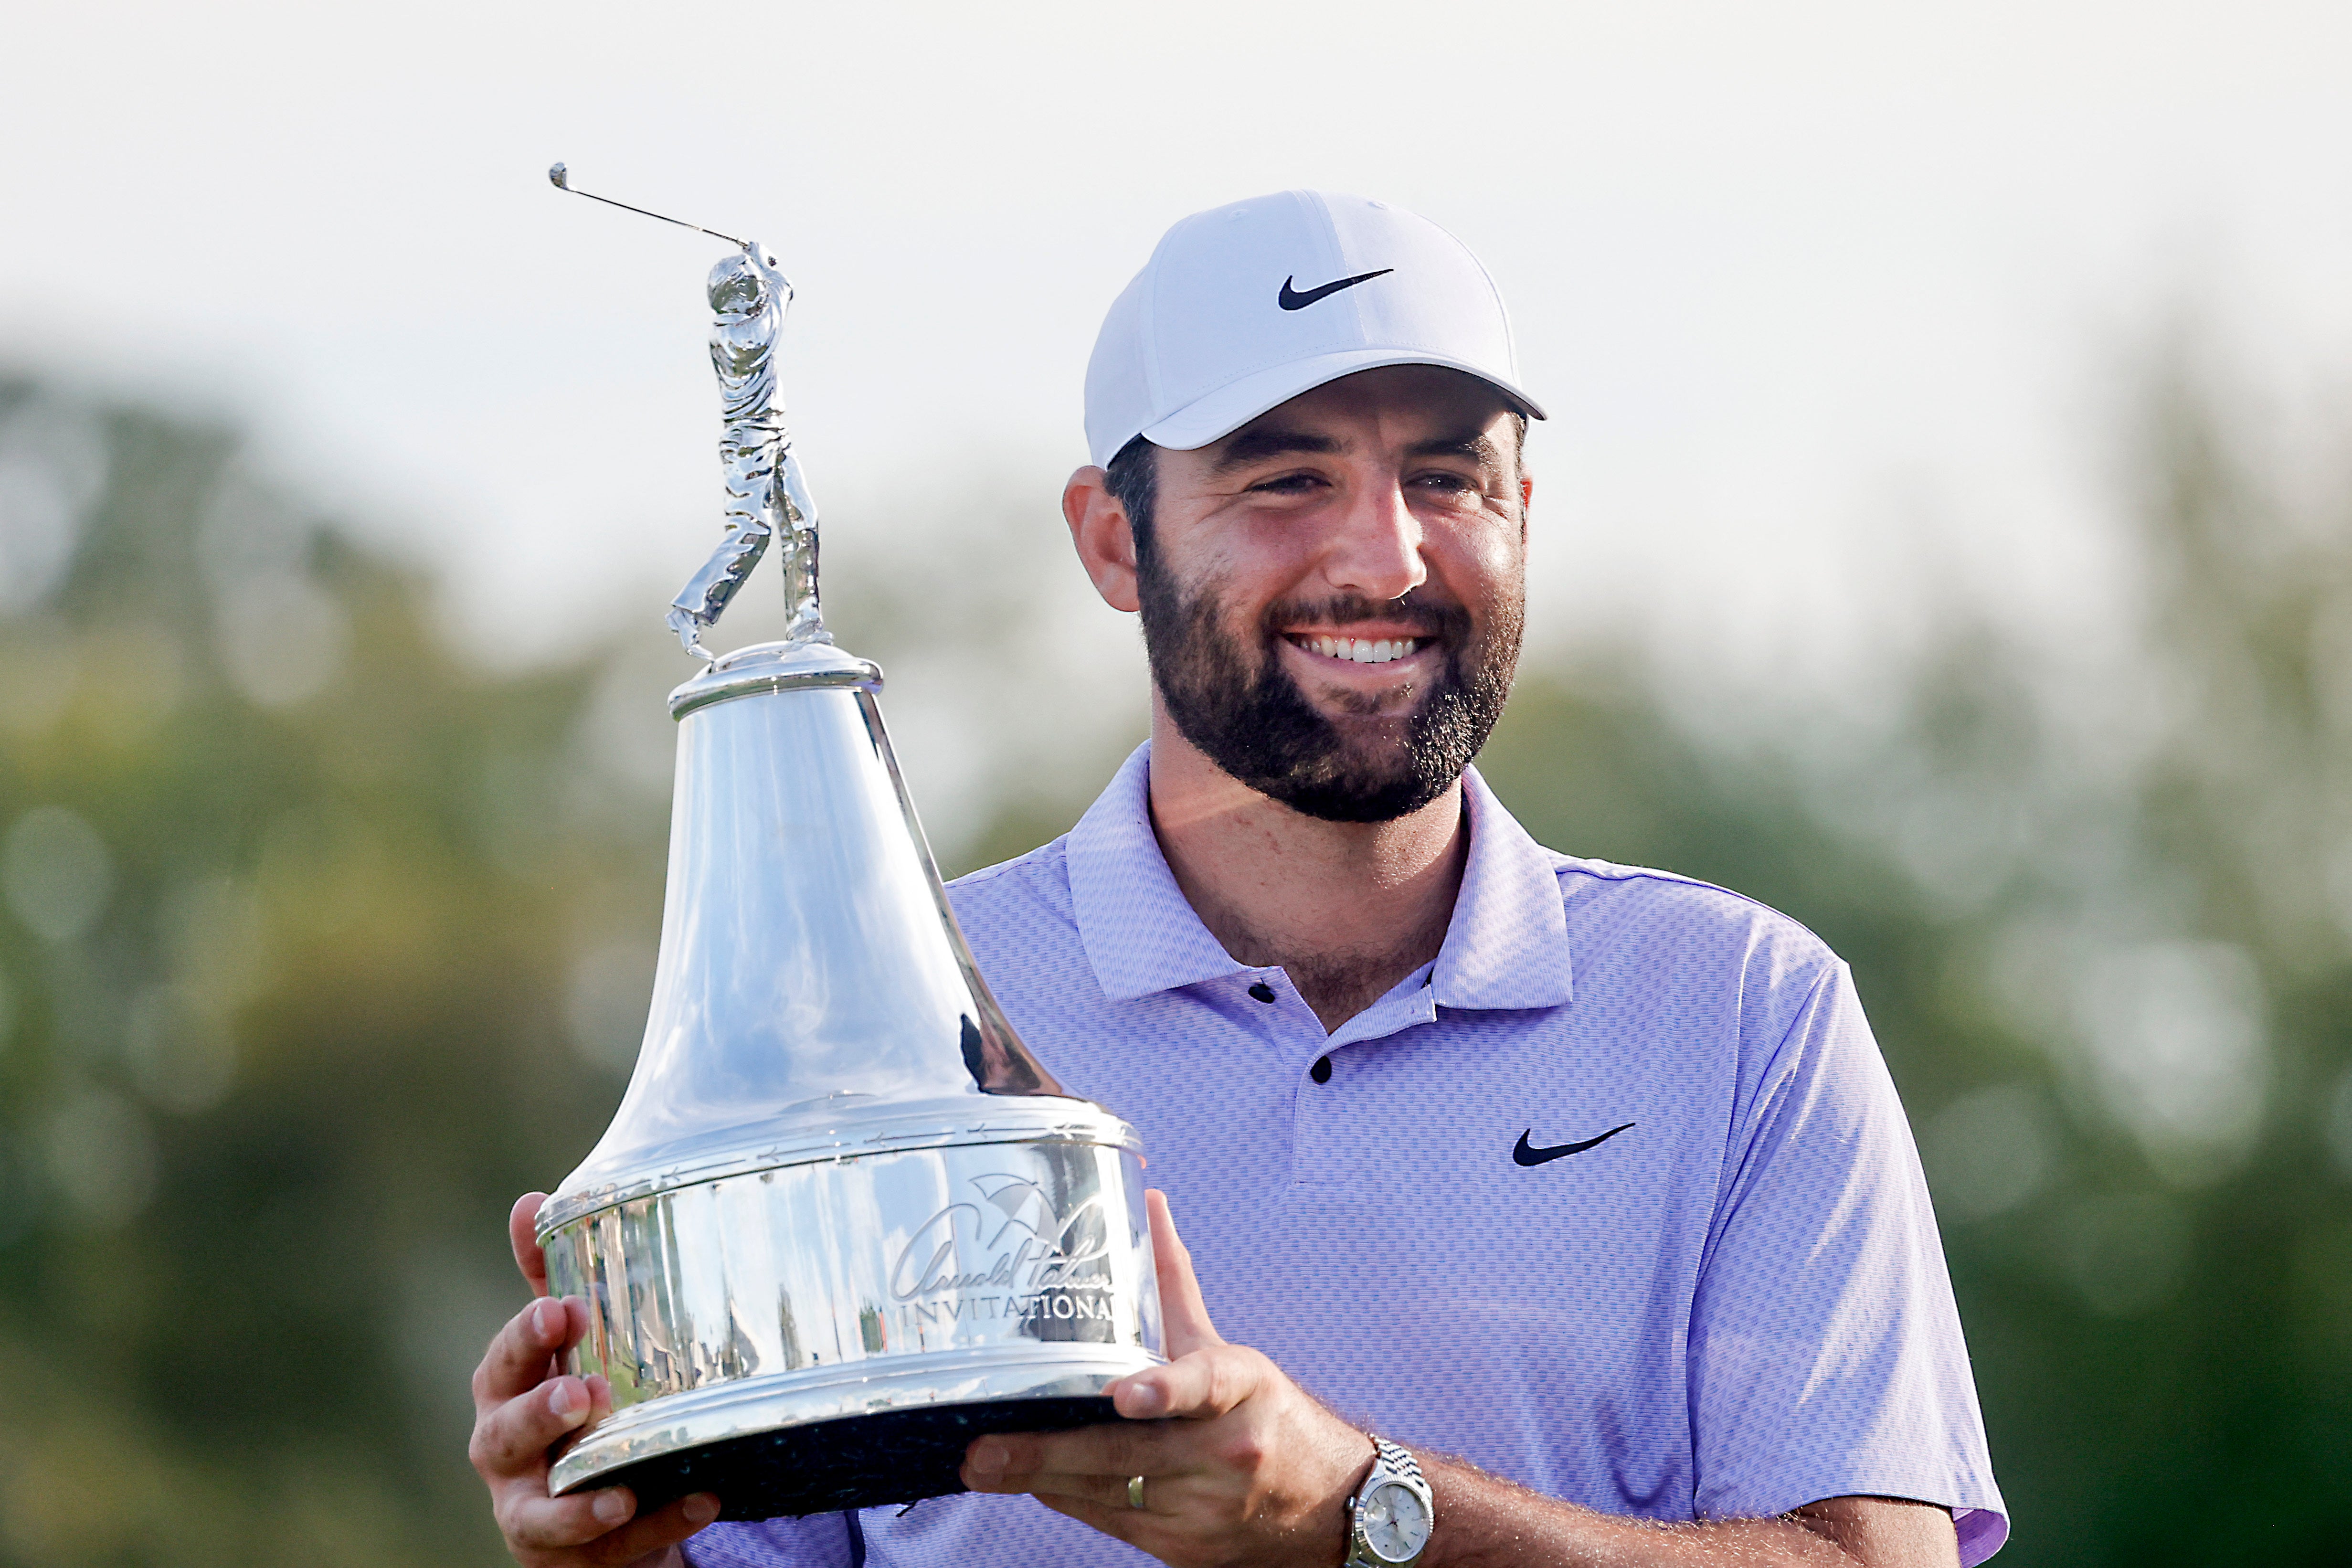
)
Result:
{"points": [[821, 1439], [859, 1461]]}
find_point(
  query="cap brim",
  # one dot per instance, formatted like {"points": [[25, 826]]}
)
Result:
{"points": [[1216, 414]]}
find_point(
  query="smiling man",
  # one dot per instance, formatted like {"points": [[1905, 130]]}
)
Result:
{"points": [[1555, 1211]]}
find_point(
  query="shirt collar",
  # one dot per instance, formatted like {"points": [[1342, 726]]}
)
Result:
{"points": [[1506, 946]]}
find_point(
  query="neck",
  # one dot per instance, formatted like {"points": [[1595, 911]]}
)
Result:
{"points": [[1346, 908]]}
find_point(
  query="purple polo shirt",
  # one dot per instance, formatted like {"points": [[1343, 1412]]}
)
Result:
{"points": [[1735, 1306]]}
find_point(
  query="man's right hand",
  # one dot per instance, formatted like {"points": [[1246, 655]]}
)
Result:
{"points": [[522, 1403]]}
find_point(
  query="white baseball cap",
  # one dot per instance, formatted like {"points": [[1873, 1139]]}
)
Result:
{"points": [[1247, 306]]}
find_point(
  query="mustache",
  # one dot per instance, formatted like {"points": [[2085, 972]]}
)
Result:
{"points": [[1428, 617]]}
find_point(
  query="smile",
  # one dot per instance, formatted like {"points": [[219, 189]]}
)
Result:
{"points": [[1358, 650]]}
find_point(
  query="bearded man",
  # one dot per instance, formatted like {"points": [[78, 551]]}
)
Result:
{"points": [[1559, 1211]]}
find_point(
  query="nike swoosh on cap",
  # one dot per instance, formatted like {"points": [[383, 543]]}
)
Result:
{"points": [[1291, 299], [1526, 1153]]}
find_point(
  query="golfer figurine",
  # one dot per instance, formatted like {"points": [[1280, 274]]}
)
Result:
{"points": [[766, 493], [766, 497]]}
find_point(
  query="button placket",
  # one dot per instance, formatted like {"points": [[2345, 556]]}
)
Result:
{"points": [[1323, 1132], [1287, 1029]]}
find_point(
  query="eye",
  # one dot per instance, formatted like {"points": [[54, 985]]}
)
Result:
{"points": [[1286, 484]]}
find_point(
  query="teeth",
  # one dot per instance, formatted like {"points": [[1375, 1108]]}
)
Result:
{"points": [[1359, 650]]}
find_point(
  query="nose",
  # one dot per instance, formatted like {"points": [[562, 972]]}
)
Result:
{"points": [[1374, 548]]}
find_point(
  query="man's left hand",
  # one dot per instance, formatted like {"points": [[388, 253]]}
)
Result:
{"points": [[1240, 1465]]}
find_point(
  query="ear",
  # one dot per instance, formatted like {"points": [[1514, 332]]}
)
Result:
{"points": [[1101, 535]]}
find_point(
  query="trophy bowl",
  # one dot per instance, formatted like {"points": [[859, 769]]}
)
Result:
{"points": [[831, 1335]]}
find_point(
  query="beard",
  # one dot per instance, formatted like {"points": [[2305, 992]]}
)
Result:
{"points": [[1230, 695]]}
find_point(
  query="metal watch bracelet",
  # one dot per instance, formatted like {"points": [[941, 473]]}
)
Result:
{"points": [[1379, 1528]]}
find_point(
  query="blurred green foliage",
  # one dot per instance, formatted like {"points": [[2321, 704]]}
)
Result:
{"points": [[283, 1038], [317, 946]]}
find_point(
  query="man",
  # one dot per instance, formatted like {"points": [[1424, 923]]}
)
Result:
{"points": [[1592, 1176]]}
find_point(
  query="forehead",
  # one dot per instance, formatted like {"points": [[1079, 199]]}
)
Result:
{"points": [[1406, 399]]}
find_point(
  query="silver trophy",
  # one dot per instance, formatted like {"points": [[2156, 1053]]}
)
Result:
{"points": [[842, 1221]]}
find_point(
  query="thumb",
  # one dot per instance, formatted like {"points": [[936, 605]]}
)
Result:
{"points": [[522, 1231], [1182, 1312], [1193, 1383]]}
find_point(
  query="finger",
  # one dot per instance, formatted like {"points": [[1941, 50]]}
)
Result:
{"points": [[1102, 1492], [600, 1398], [1181, 1309], [529, 1517], [666, 1527], [522, 1231], [1014, 1461], [601, 1521], [1205, 1384], [512, 1438], [519, 1357]]}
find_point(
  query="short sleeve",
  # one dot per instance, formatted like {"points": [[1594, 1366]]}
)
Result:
{"points": [[1826, 1358], [817, 1541]]}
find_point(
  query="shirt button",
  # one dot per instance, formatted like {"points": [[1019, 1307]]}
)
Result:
{"points": [[1321, 1072], [1262, 991]]}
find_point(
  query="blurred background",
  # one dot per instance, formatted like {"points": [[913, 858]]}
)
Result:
{"points": [[1944, 534]]}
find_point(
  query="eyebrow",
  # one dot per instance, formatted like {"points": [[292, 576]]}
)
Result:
{"points": [[1255, 446], [1473, 445], [1258, 445]]}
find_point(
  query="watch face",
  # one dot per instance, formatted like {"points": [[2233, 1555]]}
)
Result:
{"points": [[1396, 1525]]}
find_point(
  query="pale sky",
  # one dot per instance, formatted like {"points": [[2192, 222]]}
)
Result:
{"points": [[1824, 297]]}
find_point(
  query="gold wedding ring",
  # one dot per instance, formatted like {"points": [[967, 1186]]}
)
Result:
{"points": [[1135, 1491]]}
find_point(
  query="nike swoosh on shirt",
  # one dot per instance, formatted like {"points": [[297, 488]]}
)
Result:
{"points": [[1291, 299], [1526, 1153]]}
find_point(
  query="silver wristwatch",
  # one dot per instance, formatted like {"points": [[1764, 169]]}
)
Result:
{"points": [[1390, 1517]]}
